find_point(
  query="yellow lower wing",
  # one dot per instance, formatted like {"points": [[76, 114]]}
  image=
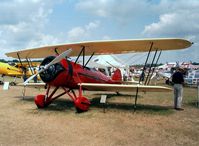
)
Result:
{"points": [[124, 88], [39, 85]]}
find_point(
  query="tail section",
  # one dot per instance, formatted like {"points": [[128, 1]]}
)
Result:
{"points": [[117, 75]]}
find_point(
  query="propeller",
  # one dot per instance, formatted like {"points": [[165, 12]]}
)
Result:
{"points": [[54, 61]]}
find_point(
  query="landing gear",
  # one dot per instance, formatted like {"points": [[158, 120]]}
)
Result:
{"points": [[40, 101], [81, 103], [12, 83]]}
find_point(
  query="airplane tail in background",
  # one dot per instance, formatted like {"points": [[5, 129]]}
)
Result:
{"points": [[117, 75]]}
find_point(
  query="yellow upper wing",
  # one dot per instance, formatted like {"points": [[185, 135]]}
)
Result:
{"points": [[104, 47], [26, 64]]}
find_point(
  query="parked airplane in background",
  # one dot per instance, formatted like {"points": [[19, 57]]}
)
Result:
{"points": [[67, 75], [192, 77], [190, 71], [16, 70]]}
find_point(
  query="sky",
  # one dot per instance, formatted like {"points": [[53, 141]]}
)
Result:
{"points": [[33, 23]]}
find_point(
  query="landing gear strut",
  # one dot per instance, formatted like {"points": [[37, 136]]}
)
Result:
{"points": [[81, 103]]}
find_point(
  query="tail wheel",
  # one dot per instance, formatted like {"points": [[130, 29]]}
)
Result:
{"points": [[82, 104], [40, 101]]}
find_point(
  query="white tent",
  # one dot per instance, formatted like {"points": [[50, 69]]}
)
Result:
{"points": [[108, 61], [112, 62]]}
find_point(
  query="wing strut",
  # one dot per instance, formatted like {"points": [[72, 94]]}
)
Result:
{"points": [[31, 62], [146, 62], [154, 66], [83, 54], [151, 66], [19, 58], [29, 65], [135, 105], [23, 68], [82, 51], [56, 51], [89, 59]]}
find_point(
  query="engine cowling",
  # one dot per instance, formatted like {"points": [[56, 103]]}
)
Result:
{"points": [[52, 72]]}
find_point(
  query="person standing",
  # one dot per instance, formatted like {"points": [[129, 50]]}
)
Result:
{"points": [[24, 70], [178, 80], [35, 78]]}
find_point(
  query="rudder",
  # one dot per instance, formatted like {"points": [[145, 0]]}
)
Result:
{"points": [[117, 75]]}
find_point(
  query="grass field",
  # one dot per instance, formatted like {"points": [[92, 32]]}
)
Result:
{"points": [[155, 122]]}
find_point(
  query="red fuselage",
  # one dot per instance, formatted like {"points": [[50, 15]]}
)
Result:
{"points": [[74, 73]]}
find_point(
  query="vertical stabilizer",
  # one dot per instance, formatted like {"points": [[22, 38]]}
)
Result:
{"points": [[117, 76]]}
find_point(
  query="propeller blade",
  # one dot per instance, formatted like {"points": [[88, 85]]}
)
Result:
{"points": [[54, 61], [58, 58], [31, 77]]}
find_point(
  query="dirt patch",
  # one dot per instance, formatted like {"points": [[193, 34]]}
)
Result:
{"points": [[154, 122]]}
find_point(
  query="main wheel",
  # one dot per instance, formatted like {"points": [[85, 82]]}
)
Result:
{"points": [[40, 101], [82, 104]]}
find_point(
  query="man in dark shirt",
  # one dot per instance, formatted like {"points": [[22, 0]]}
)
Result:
{"points": [[178, 81]]}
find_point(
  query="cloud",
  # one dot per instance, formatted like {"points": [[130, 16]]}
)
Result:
{"points": [[96, 7], [106, 37], [43, 39], [115, 9], [165, 6], [81, 33], [177, 19], [22, 23], [182, 24], [15, 11]]}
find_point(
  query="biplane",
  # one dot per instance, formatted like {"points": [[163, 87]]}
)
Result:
{"points": [[58, 72], [17, 70]]}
